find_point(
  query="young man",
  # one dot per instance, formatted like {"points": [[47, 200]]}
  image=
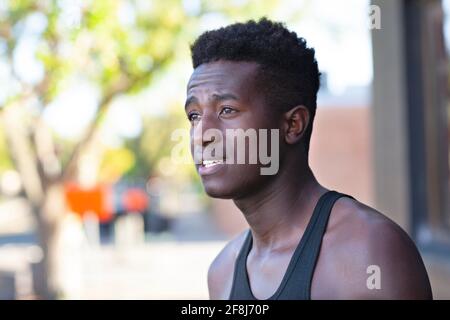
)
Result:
{"points": [[304, 242]]}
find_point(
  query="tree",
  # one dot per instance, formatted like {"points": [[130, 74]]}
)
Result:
{"points": [[117, 46]]}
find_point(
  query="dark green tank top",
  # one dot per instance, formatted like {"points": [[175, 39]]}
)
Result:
{"points": [[296, 283]]}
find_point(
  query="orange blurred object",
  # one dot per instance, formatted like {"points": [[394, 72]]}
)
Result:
{"points": [[96, 200], [135, 200]]}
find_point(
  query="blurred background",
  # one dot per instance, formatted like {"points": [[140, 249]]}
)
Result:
{"points": [[92, 205]]}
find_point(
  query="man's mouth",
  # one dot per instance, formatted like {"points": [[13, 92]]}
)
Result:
{"points": [[211, 163], [208, 167]]}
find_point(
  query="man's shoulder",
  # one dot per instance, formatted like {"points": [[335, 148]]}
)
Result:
{"points": [[352, 220], [362, 242], [355, 224], [221, 270]]}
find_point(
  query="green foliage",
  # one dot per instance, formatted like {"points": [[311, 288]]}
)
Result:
{"points": [[115, 163], [154, 144], [5, 160], [115, 44]]}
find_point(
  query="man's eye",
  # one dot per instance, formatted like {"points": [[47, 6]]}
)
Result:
{"points": [[227, 110], [193, 116]]}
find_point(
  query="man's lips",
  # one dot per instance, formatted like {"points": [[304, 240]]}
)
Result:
{"points": [[208, 167]]}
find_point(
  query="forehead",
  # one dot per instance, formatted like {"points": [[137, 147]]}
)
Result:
{"points": [[236, 77]]}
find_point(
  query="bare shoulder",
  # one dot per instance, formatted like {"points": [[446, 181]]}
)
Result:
{"points": [[371, 256], [221, 270]]}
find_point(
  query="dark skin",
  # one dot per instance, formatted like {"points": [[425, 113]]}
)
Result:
{"points": [[224, 95]]}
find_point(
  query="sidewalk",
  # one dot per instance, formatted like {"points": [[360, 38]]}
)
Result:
{"points": [[166, 270]]}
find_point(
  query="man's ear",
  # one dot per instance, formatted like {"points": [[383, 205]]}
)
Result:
{"points": [[295, 121]]}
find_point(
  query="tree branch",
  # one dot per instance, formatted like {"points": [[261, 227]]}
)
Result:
{"points": [[22, 153], [123, 85], [70, 168]]}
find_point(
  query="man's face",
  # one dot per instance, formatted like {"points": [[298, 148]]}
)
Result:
{"points": [[222, 95]]}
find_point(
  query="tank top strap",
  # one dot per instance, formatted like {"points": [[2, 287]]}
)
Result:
{"points": [[240, 289], [299, 276]]}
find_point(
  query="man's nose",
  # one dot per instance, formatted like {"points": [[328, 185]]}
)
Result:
{"points": [[199, 137]]}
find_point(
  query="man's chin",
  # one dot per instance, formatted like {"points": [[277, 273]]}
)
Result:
{"points": [[218, 192], [218, 195]]}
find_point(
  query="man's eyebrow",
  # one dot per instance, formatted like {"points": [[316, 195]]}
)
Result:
{"points": [[216, 97], [189, 100], [224, 96]]}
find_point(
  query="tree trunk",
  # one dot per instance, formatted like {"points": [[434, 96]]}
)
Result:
{"points": [[46, 272]]}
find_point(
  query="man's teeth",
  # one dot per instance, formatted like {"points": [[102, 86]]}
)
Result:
{"points": [[210, 163]]}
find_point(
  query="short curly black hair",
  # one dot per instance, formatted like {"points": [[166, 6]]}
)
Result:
{"points": [[288, 73]]}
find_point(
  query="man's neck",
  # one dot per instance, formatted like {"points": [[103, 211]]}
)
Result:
{"points": [[281, 210]]}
